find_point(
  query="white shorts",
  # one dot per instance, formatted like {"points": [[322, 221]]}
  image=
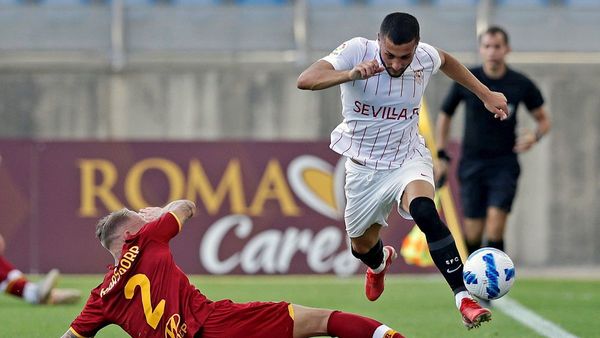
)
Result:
{"points": [[370, 194]]}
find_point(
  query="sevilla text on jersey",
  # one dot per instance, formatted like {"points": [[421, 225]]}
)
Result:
{"points": [[385, 112]]}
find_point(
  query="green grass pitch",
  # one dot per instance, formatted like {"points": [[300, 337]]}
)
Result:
{"points": [[417, 306]]}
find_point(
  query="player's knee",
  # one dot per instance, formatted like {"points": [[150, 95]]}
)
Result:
{"points": [[423, 211]]}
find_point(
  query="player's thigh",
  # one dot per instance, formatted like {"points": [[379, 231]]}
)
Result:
{"points": [[473, 191], [250, 320], [366, 204], [501, 180], [309, 322]]}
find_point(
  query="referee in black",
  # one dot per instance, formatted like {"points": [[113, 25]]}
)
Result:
{"points": [[489, 168]]}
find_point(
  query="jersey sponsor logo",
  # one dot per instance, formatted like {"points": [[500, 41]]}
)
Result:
{"points": [[172, 328], [124, 264], [385, 112], [339, 49]]}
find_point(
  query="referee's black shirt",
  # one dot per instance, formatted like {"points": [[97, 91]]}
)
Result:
{"points": [[485, 136]]}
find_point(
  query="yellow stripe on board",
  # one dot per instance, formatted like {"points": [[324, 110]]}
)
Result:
{"points": [[443, 194]]}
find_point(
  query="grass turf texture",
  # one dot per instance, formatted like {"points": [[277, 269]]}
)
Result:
{"points": [[415, 306]]}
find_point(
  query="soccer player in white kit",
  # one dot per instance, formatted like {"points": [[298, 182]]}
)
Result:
{"points": [[382, 82]]}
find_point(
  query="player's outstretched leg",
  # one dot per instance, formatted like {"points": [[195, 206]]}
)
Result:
{"points": [[311, 322], [15, 283], [374, 282], [63, 296], [447, 259], [45, 286]]}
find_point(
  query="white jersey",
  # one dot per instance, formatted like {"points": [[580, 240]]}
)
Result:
{"points": [[381, 114]]}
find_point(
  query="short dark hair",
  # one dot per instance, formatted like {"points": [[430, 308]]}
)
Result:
{"points": [[400, 28], [493, 30]]}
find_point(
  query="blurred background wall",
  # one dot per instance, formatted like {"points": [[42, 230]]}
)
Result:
{"points": [[215, 70]]}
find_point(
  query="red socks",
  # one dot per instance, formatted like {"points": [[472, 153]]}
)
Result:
{"points": [[348, 325], [16, 284]]}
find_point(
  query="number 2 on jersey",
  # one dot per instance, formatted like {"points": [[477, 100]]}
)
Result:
{"points": [[152, 315]]}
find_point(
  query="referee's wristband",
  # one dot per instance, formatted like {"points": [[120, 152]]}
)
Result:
{"points": [[442, 155]]}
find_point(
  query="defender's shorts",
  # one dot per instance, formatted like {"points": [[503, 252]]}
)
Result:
{"points": [[488, 182], [248, 320], [370, 194]]}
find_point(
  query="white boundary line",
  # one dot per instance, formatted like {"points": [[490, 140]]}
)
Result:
{"points": [[530, 319]]}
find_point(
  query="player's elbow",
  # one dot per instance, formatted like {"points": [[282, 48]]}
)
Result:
{"points": [[304, 82], [301, 83], [190, 208]]}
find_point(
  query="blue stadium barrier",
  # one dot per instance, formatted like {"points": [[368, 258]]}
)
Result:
{"points": [[393, 2], [316, 3], [197, 2], [451, 3], [583, 3], [262, 2], [64, 2], [522, 3]]}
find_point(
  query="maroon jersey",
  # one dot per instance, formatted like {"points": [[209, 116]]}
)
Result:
{"points": [[146, 294]]}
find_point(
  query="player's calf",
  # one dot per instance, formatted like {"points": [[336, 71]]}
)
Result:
{"points": [[348, 325]]}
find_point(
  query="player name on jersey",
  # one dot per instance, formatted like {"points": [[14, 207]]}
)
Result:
{"points": [[124, 264]]}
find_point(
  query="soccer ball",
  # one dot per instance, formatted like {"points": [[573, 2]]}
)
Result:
{"points": [[488, 273]]}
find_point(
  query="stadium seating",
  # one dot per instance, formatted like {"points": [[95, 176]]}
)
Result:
{"points": [[522, 3], [197, 2], [583, 3], [393, 2], [592, 4], [452, 3], [64, 2], [316, 3], [261, 2]]}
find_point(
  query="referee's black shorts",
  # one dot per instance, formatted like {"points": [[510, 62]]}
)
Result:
{"points": [[487, 182]]}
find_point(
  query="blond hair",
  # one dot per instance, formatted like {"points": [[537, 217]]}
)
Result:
{"points": [[106, 229]]}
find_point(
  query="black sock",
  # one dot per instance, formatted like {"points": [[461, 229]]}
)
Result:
{"points": [[472, 246], [447, 259], [373, 258], [441, 243], [496, 244]]}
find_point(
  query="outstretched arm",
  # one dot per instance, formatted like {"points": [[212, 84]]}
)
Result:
{"points": [[183, 209], [322, 75], [494, 102]]}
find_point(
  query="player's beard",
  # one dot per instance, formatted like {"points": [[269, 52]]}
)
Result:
{"points": [[387, 69], [393, 75]]}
